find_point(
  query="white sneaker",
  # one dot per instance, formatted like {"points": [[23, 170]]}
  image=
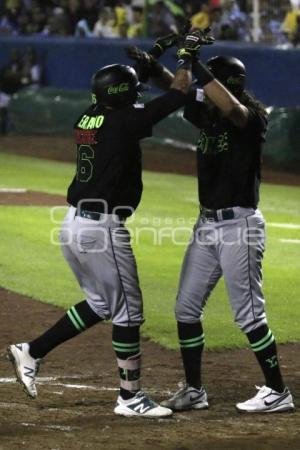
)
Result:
{"points": [[26, 367], [140, 405], [267, 401], [187, 398]]}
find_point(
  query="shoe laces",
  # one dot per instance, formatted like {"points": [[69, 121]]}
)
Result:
{"points": [[140, 395], [261, 391], [38, 365], [182, 387]]}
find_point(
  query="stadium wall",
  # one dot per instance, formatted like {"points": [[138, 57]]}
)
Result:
{"points": [[52, 112], [68, 63]]}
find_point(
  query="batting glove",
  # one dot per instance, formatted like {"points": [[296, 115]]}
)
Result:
{"points": [[194, 40], [146, 65]]}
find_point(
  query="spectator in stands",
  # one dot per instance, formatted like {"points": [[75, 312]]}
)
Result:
{"points": [[12, 10], [296, 38], [24, 22], [38, 20], [106, 25], [234, 24], [161, 21], [221, 23], [6, 27], [215, 20], [290, 23], [136, 29], [129, 17], [74, 13], [20, 71], [90, 11], [216, 3], [85, 26], [31, 72], [271, 27], [122, 18], [57, 24], [245, 6], [201, 19], [78, 17], [10, 82]]}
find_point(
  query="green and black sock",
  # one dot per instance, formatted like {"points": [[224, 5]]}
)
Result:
{"points": [[77, 319], [263, 344], [126, 343], [191, 341]]}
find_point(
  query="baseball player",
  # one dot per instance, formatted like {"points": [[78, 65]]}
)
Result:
{"points": [[229, 236], [106, 190]]}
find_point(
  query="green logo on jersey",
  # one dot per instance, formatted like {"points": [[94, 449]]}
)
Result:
{"points": [[213, 144], [117, 89], [90, 122], [94, 99]]}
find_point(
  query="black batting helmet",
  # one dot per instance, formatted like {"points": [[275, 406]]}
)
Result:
{"points": [[230, 71], [115, 86]]}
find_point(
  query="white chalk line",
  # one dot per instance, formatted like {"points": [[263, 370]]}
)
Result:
{"points": [[290, 241], [54, 381], [50, 427], [288, 226], [12, 191]]}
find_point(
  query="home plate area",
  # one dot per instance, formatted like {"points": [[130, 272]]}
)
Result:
{"points": [[78, 387]]}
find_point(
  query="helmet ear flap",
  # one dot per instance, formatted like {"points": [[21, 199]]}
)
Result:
{"points": [[235, 84], [230, 71]]}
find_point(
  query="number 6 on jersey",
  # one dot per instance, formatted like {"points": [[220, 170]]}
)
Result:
{"points": [[85, 167]]}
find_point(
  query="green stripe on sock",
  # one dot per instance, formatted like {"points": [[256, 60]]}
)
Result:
{"points": [[121, 344], [188, 341], [262, 341], [127, 350], [78, 318], [193, 344], [73, 320], [265, 345], [122, 347], [196, 344]]}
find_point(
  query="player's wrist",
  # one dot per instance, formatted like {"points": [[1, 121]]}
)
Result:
{"points": [[156, 51], [185, 59], [201, 72]]}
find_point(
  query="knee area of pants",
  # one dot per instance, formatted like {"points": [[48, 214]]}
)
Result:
{"points": [[246, 327], [183, 314]]}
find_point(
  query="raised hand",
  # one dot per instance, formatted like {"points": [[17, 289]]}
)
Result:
{"points": [[194, 40], [163, 43]]}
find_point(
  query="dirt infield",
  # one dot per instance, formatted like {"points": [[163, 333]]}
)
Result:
{"points": [[31, 198], [78, 388]]}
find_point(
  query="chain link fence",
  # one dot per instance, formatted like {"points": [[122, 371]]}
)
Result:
{"points": [[275, 22]]}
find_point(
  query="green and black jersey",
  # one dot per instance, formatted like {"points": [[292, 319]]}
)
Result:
{"points": [[109, 166], [228, 157]]}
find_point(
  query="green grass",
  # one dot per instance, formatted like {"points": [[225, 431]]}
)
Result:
{"points": [[30, 265]]}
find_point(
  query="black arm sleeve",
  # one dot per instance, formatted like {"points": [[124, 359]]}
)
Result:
{"points": [[257, 124], [144, 117]]}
